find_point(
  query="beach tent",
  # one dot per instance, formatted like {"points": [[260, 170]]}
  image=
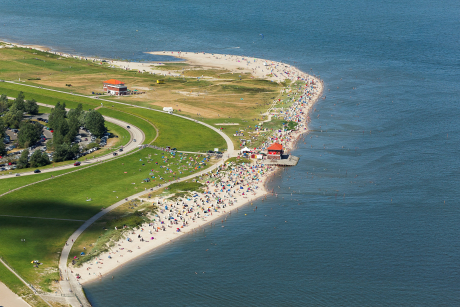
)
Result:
{"points": [[245, 149]]}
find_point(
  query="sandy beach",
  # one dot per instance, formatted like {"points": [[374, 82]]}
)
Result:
{"points": [[228, 188]]}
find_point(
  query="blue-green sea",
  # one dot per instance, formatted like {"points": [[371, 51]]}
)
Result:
{"points": [[370, 216]]}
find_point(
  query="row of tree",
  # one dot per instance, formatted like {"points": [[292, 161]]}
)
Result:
{"points": [[2, 136]]}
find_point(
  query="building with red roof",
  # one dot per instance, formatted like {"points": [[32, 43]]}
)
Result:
{"points": [[115, 87], [275, 151]]}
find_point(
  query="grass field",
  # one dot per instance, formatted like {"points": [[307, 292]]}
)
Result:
{"points": [[66, 198]]}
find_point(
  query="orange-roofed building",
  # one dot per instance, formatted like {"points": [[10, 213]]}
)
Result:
{"points": [[115, 87], [275, 151]]}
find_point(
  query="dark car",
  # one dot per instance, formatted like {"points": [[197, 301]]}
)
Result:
{"points": [[121, 149], [115, 154], [210, 151], [128, 127], [77, 163], [37, 171]]}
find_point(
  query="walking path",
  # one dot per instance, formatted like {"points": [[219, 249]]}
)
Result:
{"points": [[9, 298], [42, 218]]}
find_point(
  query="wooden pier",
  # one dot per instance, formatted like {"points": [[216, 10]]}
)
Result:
{"points": [[286, 160]]}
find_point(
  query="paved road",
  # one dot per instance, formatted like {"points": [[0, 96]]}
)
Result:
{"points": [[135, 133]]}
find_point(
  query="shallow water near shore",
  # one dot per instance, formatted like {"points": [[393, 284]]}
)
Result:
{"points": [[373, 215]]}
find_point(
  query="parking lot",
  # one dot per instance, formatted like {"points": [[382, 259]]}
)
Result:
{"points": [[84, 138]]}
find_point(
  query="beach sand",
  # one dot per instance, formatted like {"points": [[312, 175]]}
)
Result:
{"points": [[237, 185]]}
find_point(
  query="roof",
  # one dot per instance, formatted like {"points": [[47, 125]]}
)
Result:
{"points": [[114, 82], [275, 146]]}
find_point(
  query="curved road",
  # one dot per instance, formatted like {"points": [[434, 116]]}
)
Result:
{"points": [[135, 133]]}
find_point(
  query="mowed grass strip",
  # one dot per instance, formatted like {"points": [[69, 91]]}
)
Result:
{"points": [[47, 97], [16, 182]]}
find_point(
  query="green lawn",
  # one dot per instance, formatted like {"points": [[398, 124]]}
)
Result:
{"points": [[143, 124], [44, 241], [66, 197], [185, 135]]}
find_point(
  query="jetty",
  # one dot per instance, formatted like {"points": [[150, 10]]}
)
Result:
{"points": [[286, 160]]}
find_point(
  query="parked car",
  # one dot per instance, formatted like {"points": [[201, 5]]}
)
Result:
{"points": [[17, 174], [134, 140], [115, 154], [128, 127], [121, 149], [37, 171], [78, 163]]}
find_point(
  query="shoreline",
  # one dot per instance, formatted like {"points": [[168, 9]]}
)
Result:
{"points": [[106, 263], [254, 184]]}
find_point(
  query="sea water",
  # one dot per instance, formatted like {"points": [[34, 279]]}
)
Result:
{"points": [[370, 215]]}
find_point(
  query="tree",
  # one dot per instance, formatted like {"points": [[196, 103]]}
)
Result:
{"points": [[75, 112], [29, 133], [2, 148], [65, 152], [2, 128], [19, 102], [4, 104], [31, 107], [13, 117], [57, 114], [2, 136], [39, 159], [23, 161], [95, 123]]}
